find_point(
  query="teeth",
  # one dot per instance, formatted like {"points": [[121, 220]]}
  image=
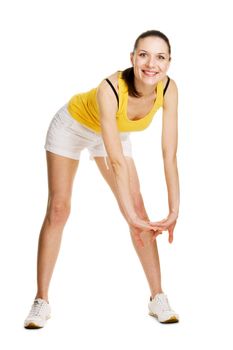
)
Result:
{"points": [[149, 73]]}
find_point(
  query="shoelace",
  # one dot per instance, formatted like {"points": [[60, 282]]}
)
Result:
{"points": [[163, 301], [36, 308]]}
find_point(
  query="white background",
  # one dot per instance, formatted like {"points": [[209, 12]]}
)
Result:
{"points": [[51, 50]]}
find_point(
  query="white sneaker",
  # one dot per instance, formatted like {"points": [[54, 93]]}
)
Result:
{"points": [[159, 307], [39, 314]]}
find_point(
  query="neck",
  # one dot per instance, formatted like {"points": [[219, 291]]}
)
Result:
{"points": [[144, 89]]}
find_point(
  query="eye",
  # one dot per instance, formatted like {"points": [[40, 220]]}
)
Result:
{"points": [[142, 54], [161, 57]]}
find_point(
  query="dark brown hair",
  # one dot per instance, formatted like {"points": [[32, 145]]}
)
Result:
{"points": [[128, 74]]}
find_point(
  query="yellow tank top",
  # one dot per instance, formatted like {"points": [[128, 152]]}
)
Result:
{"points": [[84, 108]]}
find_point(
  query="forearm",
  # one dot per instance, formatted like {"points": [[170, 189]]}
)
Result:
{"points": [[172, 181], [141, 210], [138, 206], [123, 194]]}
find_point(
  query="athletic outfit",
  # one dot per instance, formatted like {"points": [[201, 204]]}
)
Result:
{"points": [[159, 307], [76, 125]]}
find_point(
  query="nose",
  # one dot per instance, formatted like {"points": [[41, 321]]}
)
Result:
{"points": [[151, 63]]}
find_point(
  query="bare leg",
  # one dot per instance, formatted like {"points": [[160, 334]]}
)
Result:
{"points": [[148, 255], [61, 172], [149, 258]]}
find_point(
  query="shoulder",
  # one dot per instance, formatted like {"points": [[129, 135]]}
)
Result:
{"points": [[105, 95], [171, 95], [104, 85], [114, 77]]}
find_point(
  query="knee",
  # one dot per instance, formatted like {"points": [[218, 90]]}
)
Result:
{"points": [[58, 210]]}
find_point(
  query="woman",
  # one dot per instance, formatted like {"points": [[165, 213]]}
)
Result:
{"points": [[101, 120]]}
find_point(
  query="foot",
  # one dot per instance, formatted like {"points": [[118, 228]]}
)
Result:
{"points": [[159, 307], [39, 314]]}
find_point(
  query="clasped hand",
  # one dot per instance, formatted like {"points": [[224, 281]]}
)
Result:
{"points": [[168, 224]]}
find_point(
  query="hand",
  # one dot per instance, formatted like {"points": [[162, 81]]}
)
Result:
{"points": [[167, 224], [139, 226]]}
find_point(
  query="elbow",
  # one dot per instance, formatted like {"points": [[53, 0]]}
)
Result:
{"points": [[117, 163], [169, 158]]}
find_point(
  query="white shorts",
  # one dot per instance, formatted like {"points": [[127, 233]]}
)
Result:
{"points": [[67, 137]]}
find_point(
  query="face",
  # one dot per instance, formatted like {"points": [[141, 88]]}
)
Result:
{"points": [[150, 60]]}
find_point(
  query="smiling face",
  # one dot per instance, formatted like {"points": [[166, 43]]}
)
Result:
{"points": [[150, 60]]}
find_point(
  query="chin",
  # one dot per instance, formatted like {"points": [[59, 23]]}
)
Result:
{"points": [[150, 80]]}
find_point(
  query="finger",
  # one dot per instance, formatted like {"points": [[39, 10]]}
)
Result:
{"points": [[155, 229], [153, 238], [152, 228], [157, 222], [161, 224], [165, 222], [155, 235], [162, 228], [146, 226], [170, 238], [166, 225]]}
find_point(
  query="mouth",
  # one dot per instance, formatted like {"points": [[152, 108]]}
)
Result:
{"points": [[150, 73]]}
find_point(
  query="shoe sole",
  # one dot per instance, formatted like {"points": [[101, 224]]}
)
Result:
{"points": [[33, 325], [172, 319]]}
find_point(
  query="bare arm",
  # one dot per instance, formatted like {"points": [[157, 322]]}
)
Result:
{"points": [[169, 149], [169, 146], [107, 108]]}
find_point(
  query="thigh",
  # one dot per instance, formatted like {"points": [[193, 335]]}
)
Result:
{"points": [[61, 173], [107, 173], [97, 149]]}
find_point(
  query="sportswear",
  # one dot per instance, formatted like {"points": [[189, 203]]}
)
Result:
{"points": [[84, 108], [160, 308], [38, 315]]}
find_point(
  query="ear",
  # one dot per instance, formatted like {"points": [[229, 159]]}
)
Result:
{"points": [[131, 57], [169, 62]]}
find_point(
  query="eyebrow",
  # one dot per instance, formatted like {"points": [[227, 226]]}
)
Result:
{"points": [[159, 53]]}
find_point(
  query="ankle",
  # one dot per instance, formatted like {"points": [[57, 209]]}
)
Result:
{"points": [[154, 292], [42, 296]]}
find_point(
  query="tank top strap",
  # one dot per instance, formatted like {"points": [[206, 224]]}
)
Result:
{"points": [[113, 90], [165, 89]]}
